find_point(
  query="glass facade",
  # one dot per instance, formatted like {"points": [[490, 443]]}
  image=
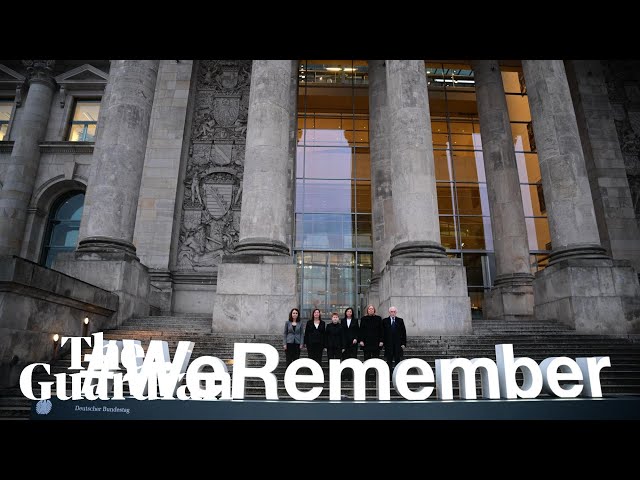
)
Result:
{"points": [[463, 202], [333, 181], [333, 185], [62, 227], [535, 212], [84, 121]]}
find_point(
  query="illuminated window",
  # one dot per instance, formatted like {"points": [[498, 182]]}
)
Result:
{"points": [[5, 115], [84, 121]]}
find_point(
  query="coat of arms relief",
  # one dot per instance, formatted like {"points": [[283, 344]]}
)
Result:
{"points": [[215, 165]]}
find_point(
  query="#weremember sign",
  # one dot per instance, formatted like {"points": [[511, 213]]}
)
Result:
{"points": [[154, 375]]}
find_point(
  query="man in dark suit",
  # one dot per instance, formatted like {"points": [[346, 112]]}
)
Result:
{"points": [[395, 338]]}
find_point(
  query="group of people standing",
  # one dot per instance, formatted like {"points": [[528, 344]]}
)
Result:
{"points": [[342, 337]]}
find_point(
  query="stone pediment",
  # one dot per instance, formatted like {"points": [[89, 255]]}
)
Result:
{"points": [[9, 77], [84, 77]]}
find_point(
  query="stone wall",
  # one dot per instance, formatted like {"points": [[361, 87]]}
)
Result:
{"points": [[210, 194], [160, 177], [623, 85], [36, 303]]}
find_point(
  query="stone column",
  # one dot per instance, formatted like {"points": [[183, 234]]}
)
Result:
{"points": [[261, 276], [429, 289], [512, 292], [413, 180], [572, 221], [293, 151], [582, 286], [263, 221], [25, 156], [612, 199], [106, 256], [381, 199], [109, 214]]}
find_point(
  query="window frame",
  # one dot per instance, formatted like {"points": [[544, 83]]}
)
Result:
{"points": [[48, 229], [71, 113]]}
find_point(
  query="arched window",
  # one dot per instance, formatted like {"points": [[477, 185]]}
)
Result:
{"points": [[62, 226]]}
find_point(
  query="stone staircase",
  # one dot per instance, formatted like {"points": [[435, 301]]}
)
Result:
{"points": [[537, 340]]}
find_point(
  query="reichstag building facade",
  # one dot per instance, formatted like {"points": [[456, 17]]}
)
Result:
{"points": [[453, 190]]}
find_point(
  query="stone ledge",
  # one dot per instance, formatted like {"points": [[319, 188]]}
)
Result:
{"points": [[197, 278], [50, 297], [18, 275], [66, 147]]}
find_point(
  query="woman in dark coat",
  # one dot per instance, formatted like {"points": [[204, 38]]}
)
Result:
{"points": [[351, 330], [371, 335], [314, 336]]}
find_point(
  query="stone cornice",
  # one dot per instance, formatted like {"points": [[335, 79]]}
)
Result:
{"points": [[66, 147]]}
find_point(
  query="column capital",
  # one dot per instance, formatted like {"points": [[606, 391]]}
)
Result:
{"points": [[40, 71]]}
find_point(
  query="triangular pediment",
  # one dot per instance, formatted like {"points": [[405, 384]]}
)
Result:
{"points": [[83, 76], [9, 76]]}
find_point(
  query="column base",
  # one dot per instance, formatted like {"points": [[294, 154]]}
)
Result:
{"points": [[261, 246], [429, 293], [596, 296], [117, 271], [106, 245], [585, 251], [425, 249], [254, 294], [509, 302]]}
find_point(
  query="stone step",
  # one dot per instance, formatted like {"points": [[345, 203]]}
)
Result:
{"points": [[537, 340], [468, 338], [616, 355], [411, 346]]}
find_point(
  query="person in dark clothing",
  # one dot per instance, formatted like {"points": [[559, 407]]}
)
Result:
{"points": [[335, 338], [293, 336], [370, 334], [351, 329], [395, 338], [314, 336]]}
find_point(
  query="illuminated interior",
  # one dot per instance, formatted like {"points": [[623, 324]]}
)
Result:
{"points": [[84, 121], [5, 116], [333, 240]]}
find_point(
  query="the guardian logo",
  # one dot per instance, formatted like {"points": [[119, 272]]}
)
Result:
{"points": [[154, 375]]}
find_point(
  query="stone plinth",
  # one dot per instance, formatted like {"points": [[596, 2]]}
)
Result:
{"points": [[255, 294], [596, 296], [509, 302], [430, 294], [117, 272]]}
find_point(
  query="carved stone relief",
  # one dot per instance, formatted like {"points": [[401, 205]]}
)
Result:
{"points": [[213, 182]]}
